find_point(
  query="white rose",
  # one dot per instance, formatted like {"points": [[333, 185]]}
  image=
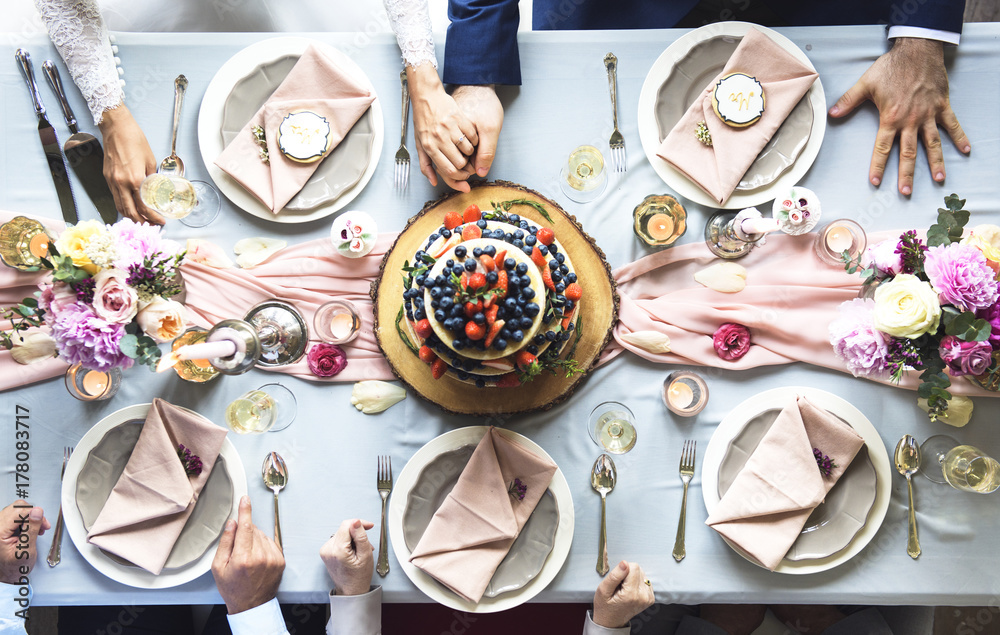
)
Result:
{"points": [[906, 307], [162, 320]]}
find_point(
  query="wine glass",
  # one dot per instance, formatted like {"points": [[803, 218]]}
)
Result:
{"points": [[612, 426], [270, 408], [583, 179], [193, 203], [969, 469], [932, 455]]}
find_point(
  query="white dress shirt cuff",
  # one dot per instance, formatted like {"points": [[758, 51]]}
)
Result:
{"points": [[265, 619], [355, 614], [948, 37], [589, 628]]}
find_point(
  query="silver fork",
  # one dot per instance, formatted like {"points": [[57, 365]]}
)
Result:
{"points": [[617, 141], [384, 488], [55, 551], [402, 174], [687, 473]]}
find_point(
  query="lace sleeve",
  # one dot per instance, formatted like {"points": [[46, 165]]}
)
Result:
{"points": [[78, 31], [411, 22]]}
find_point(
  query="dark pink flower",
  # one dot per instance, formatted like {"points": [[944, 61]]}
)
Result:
{"points": [[965, 358], [731, 341], [326, 360]]}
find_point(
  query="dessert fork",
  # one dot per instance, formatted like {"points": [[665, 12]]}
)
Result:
{"points": [[384, 483], [687, 473], [55, 551], [402, 174], [617, 141]]}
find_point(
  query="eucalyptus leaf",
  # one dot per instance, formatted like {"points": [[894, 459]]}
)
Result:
{"points": [[129, 344]]}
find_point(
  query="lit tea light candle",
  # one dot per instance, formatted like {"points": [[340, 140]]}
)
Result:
{"points": [[342, 325], [660, 227], [839, 238], [95, 383], [685, 393], [39, 245]]}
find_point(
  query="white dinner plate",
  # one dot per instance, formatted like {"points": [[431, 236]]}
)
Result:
{"points": [[210, 122], [131, 575], [777, 398], [649, 133], [434, 590]]}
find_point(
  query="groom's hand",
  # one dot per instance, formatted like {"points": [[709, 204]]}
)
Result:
{"points": [[482, 106]]}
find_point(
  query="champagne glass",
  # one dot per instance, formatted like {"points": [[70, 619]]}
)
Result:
{"points": [[969, 469], [193, 203], [270, 408], [612, 426], [932, 453], [584, 178]]}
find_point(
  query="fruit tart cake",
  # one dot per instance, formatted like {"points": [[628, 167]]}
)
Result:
{"points": [[492, 300]]}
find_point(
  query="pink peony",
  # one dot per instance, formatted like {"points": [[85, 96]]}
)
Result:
{"points": [[55, 298], [960, 275], [731, 341], [83, 338], [134, 242], [855, 340], [965, 358], [883, 257], [114, 300], [326, 360]]}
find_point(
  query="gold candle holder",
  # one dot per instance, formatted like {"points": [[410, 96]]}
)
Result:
{"points": [[23, 243], [659, 220], [197, 371]]}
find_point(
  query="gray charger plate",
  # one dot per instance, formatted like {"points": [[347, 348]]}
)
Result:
{"points": [[689, 77], [526, 555], [338, 172], [835, 522], [103, 468]]}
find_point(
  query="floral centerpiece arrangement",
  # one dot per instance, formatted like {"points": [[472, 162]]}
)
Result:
{"points": [[108, 302], [935, 307]]}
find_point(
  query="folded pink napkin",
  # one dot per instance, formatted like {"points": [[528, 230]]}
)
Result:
{"points": [[767, 505], [718, 168], [472, 531], [149, 506], [316, 84]]}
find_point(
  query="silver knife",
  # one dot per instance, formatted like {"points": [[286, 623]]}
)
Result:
{"points": [[83, 153], [50, 144]]}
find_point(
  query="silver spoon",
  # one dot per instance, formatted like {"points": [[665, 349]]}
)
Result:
{"points": [[602, 479], [907, 463], [275, 477], [173, 163]]}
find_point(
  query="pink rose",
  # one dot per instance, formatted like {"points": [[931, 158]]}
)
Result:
{"points": [[731, 341], [326, 360], [114, 300], [965, 358]]}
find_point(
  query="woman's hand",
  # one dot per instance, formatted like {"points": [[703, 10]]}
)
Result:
{"points": [[127, 160]]}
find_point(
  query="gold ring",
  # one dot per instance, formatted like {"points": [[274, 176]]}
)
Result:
{"points": [[648, 583]]}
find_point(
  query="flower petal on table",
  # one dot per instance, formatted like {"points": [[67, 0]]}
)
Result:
{"points": [[250, 252], [208, 254], [725, 277], [373, 396], [652, 341]]}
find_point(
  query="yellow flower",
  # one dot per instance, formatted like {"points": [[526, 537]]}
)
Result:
{"points": [[906, 307], [73, 243], [986, 238]]}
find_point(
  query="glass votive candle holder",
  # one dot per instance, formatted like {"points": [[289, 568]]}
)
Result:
{"points": [[659, 220], [337, 322], [23, 243], [584, 177], [839, 236], [92, 385], [685, 393]]}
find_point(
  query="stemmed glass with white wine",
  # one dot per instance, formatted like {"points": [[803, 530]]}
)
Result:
{"points": [[964, 467], [612, 426], [270, 408]]}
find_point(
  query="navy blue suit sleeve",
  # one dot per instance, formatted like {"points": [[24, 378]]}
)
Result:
{"points": [[481, 47], [944, 15]]}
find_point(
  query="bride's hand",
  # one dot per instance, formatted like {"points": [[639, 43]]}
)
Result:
{"points": [[127, 160], [445, 137]]}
